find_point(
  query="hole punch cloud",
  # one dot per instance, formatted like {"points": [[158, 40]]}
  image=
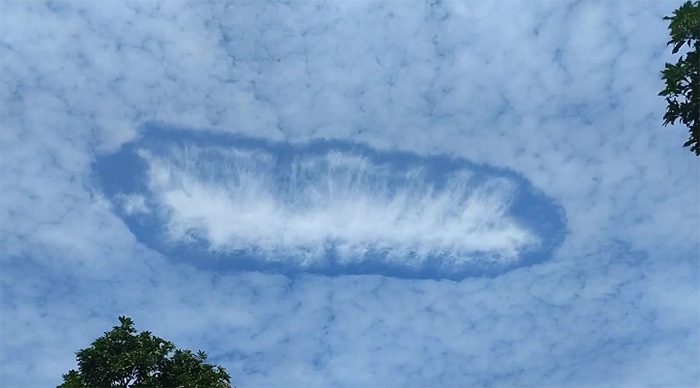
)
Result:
{"points": [[329, 207]]}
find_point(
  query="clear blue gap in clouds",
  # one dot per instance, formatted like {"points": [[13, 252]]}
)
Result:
{"points": [[303, 179]]}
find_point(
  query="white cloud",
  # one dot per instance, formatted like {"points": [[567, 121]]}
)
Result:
{"points": [[524, 85], [132, 204], [308, 206]]}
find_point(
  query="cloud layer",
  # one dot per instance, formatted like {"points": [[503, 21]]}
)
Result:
{"points": [[563, 93], [327, 207]]}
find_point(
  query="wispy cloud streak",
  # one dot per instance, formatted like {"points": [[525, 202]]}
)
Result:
{"points": [[324, 205]]}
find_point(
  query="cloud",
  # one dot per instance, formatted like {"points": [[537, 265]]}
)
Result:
{"points": [[563, 94], [326, 207], [542, 324]]}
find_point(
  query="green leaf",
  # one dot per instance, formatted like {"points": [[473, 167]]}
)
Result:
{"points": [[124, 357], [682, 80]]}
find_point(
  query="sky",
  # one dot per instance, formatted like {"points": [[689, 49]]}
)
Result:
{"points": [[349, 193]]}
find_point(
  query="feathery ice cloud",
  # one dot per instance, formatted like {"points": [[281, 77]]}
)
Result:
{"points": [[327, 207]]}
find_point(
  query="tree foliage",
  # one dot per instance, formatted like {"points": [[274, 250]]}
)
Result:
{"points": [[682, 79], [123, 357]]}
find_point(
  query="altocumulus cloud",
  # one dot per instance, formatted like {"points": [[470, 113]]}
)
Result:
{"points": [[331, 207], [563, 94]]}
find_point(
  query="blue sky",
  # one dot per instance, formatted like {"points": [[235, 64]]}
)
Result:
{"points": [[349, 193]]}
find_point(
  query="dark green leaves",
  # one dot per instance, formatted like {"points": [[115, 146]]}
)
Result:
{"points": [[123, 357], [683, 78], [189, 370]]}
